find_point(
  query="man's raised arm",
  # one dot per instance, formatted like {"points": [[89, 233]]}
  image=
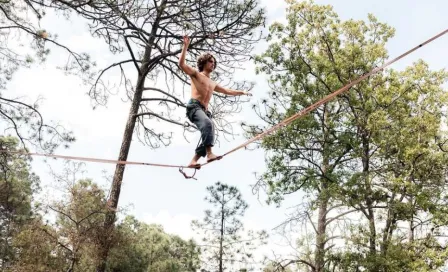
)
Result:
{"points": [[185, 67]]}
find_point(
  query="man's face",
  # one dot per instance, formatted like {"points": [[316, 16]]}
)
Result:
{"points": [[210, 65]]}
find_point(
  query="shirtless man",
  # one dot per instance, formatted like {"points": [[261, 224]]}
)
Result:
{"points": [[202, 88]]}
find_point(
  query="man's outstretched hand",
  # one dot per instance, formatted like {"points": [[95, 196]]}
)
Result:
{"points": [[186, 41], [247, 93]]}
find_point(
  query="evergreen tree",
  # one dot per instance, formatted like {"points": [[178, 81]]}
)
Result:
{"points": [[373, 153], [225, 245], [148, 248], [17, 186]]}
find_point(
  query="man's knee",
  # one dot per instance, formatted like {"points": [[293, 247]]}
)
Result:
{"points": [[207, 132], [208, 125]]}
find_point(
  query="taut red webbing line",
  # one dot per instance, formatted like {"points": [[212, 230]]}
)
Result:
{"points": [[259, 136], [330, 96], [103, 161], [92, 159]]}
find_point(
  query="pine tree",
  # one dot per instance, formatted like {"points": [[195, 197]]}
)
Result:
{"points": [[224, 242]]}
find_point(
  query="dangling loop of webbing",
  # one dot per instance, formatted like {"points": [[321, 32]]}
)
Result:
{"points": [[186, 176]]}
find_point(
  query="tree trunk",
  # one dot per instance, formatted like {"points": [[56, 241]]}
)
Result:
{"points": [[119, 172], [411, 230], [221, 253], [369, 194], [321, 232], [387, 232], [118, 176], [323, 200], [126, 145], [6, 255], [391, 225], [411, 222]]}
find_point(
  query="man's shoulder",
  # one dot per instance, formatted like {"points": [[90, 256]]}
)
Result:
{"points": [[195, 73]]}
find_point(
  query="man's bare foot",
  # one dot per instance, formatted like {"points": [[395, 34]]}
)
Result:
{"points": [[194, 162], [211, 157]]}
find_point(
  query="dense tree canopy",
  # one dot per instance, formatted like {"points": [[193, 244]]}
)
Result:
{"points": [[372, 153]]}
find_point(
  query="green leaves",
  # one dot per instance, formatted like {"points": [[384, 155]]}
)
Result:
{"points": [[150, 248], [225, 244], [17, 186], [373, 151]]}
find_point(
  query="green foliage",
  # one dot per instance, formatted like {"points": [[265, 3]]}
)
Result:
{"points": [[148, 248], [30, 241], [17, 186], [374, 151], [37, 250], [79, 222], [225, 245]]}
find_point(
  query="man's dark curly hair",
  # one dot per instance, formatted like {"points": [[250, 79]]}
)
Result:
{"points": [[202, 60]]}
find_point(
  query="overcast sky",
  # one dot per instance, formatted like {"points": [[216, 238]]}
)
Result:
{"points": [[162, 195]]}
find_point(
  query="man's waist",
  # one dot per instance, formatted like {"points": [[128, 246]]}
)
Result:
{"points": [[196, 101]]}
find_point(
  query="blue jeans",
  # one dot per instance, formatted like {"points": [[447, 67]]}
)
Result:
{"points": [[197, 114]]}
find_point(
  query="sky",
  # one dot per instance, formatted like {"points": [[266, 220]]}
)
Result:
{"points": [[163, 195]]}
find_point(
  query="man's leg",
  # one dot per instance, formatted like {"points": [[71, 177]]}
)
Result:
{"points": [[194, 161], [208, 147], [205, 126]]}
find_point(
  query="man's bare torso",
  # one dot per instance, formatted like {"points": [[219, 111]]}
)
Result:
{"points": [[202, 88]]}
